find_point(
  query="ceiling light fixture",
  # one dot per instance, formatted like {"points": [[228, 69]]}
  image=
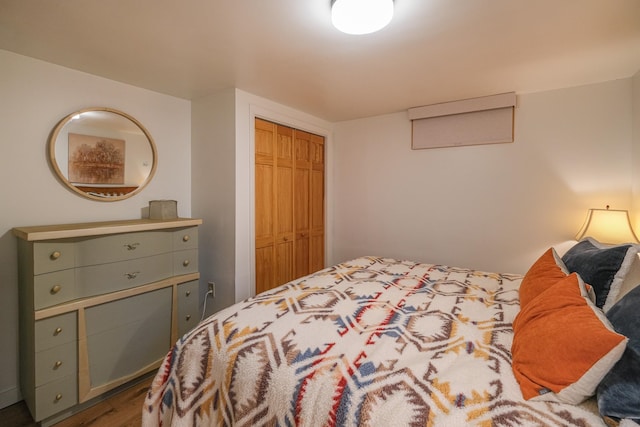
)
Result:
{"points": [[361, 16]]}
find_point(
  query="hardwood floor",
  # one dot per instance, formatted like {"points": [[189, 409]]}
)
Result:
{"points": [[120, 410]]}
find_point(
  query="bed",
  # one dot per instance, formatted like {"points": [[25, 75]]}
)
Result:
{"points": [[374, 342]]}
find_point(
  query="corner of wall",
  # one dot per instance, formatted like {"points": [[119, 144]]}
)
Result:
{"points": [[635, 148], [213, 191]]}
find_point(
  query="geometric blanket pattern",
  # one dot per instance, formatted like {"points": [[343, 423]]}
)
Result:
{"points": [[369, 342]]}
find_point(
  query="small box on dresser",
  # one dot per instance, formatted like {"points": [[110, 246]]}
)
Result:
{"points": [[163, 209], [100, 305]]}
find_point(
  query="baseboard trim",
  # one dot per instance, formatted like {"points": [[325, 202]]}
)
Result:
{"points": [[9, 397]]}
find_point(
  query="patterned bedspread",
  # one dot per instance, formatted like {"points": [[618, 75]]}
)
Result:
{"points": [[369, 342]]}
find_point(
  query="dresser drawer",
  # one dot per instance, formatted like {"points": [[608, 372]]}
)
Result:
{"points": [[188, 306], [55, 331], [56, 396], [122, 247], [106, 278], [56, 363], [53, 255], [127, 335], [186, 238], [185, 262], [54, 288]]}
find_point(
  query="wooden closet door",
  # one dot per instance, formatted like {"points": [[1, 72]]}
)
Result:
{"points": [[265, 208], [302, 202], [284, 205], [289, 208], [316, 214], [309, 203], [273, 205]]}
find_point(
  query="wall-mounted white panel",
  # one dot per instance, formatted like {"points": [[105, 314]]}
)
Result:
{"points": [[485, 120], [478, 127]]}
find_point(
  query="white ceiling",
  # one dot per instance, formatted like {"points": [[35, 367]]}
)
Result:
{"points": [[286, 50]]}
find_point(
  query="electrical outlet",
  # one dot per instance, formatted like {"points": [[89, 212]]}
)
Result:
{"points": [[212, 288]]}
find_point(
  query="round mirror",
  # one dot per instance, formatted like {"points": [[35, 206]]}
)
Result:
{"points": [[102, 154]]}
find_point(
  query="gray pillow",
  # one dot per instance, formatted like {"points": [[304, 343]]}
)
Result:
{"points": [[619, 392], [601, 266]]}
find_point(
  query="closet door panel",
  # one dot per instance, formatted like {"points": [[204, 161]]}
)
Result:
{"points": [[316, 252], [302, 201], [264, 146], [317, 200], [316, 214], [284, 203], [284, 263], [302, 256], [303, 150], [301, 204], [265, 274], [264, 205]]}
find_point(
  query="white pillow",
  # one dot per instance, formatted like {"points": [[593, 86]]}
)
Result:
{"points": [[631, 280]]}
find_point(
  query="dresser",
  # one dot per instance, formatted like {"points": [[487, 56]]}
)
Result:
{"points": [[100, 305]]}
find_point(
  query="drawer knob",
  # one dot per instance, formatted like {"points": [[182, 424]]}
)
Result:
{"points": [[132, 276], [188, 317], [186, 238], [57, 364], [55, 255], [186, 262], [131, 246], [57, 331], [58, 397], [188, 293], [55, 289]]}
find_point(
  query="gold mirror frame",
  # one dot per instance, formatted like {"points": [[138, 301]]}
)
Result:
{"points": [[108, 132]]}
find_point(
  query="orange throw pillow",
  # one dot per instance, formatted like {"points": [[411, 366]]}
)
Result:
{"points": [[563, 345], [543, 273]]}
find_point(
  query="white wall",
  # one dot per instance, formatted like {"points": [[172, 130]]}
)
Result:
{"points": [[214, 196], [35, 96], [635, 110], [490, 207]]}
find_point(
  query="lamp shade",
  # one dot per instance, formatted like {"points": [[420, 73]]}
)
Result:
{"points": [[608, 226], [361, 16]]}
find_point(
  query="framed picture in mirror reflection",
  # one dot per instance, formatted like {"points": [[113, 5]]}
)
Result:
{"points": [[96, 159]]}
